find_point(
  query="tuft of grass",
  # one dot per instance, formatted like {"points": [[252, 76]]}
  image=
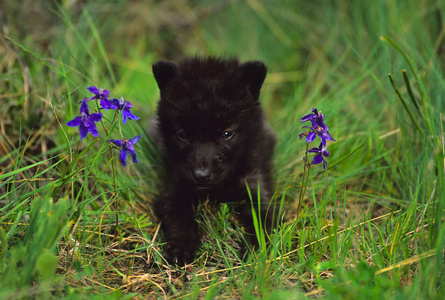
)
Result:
{"points": [[74, 224]]}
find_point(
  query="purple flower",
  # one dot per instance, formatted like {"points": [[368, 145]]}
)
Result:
{"points": [[321, 151], [101, 95], [124, 106], [85, 121], [315, 115], [126, 147], [318, 128]]}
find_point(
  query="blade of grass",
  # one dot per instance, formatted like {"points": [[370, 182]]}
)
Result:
{"points": [[405, 106], [410, 91]]}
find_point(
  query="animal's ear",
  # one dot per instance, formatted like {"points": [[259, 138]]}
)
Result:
{"points": [[164, 72], [253, 74]]}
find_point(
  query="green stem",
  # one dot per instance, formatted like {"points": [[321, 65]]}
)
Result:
{"points": [[304, 182], [113, 169], [120, 127]]}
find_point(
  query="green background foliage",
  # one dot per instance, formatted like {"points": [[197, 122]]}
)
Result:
{"points": [[74, 223]]}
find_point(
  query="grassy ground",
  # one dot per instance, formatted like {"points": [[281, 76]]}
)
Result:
{"points": [[74, 223]]}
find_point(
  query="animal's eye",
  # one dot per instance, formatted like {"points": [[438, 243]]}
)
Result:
{"points": [[227, 135], [181, 135]]}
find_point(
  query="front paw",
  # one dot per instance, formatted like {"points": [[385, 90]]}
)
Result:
{"points": [[180, 253]]}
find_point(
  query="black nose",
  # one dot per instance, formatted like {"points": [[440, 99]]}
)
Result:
{"points": [[202, 174]]}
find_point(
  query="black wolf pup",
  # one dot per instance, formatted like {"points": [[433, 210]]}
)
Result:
{"points": [[211, 131]]}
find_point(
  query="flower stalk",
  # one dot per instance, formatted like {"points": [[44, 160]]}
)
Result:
{"points": [[317, 129]]}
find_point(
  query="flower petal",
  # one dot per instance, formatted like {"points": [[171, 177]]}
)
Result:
{"points": [[127, 105], [323, 140], [93, 129], [105, 94], [119, 143], [135, 139], [88, 99], [96, 117], [325, 153], [74, 122], [115, 101], [317, 159], [311, 137], [84, 107], [129, 114], [328, 136], [105, 104], [123, 157], [83, 131], [93, 89], [133, 156], [306, 118], [314, 150]]}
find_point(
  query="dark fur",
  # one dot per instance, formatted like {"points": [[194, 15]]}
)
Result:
{"points": [[211, 131]]}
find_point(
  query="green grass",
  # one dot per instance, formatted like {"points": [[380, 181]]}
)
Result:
{"points": [[75, 224]]}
